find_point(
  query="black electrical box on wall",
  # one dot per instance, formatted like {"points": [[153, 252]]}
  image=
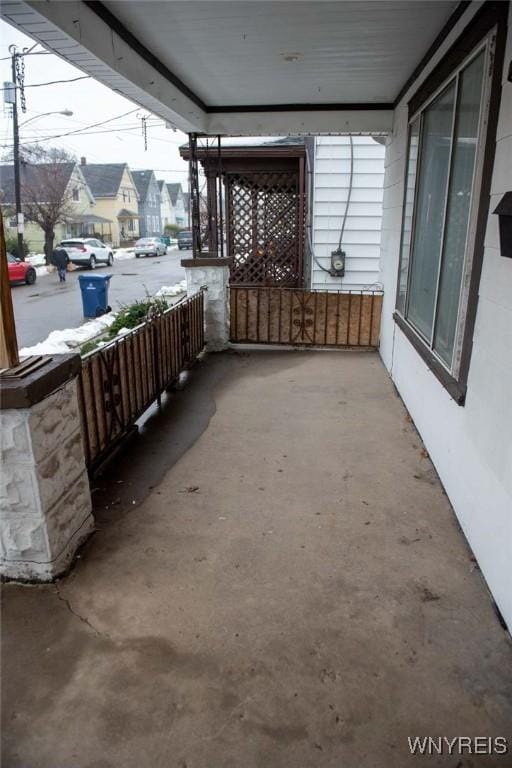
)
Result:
{"points": [[504, 212]]}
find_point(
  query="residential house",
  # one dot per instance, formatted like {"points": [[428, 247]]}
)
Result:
{"points": [[446, 321], [342, 179], [320, 544], [345, 208], [149, 203], [67, 182], [186, 205], [166, 207], [178, 203], [116, 198]]}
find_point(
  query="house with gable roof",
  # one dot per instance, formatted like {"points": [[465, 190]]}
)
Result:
{"points": [[149, 203], [166, 207], [117, 198], [178, 204], [80, 216]]}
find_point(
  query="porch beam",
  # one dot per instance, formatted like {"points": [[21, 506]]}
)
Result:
{"points": [[301, 121], [77, 33], [9, 357]]}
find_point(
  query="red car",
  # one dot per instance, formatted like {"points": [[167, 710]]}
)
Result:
{"points": [[20, 271]]}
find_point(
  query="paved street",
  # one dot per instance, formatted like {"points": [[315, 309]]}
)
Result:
{"points": [[48, 306]]}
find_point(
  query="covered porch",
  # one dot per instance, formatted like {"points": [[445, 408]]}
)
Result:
{"points": [[90, 225], [128, 225], [277, 578]]}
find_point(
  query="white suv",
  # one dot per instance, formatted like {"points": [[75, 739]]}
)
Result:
{"points": [[87, 252]]}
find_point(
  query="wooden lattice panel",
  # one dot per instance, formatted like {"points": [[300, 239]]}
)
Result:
{"points": [[318, 318], [264, 228]]}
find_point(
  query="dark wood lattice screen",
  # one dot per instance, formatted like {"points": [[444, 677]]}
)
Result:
{"points": [[265, 231]]}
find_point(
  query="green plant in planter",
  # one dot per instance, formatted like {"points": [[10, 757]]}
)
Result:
{"points": [[89, 346], [128, 316], [132, 315]]}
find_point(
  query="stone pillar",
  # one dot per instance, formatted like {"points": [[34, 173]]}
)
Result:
{"points": [[44, 488], [213, 274]]}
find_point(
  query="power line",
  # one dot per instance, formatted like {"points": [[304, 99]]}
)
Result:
{"points": [[85, 132], [37, 136], [50, 82], [36, 53], [82, 130]]}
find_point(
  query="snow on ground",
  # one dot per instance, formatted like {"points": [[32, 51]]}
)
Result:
{"points": [[36, 259], [61, 342], [70, 339], [122, 254], [171, 290]]}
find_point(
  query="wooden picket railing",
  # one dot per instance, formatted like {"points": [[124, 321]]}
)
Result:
{"points": [[119, 381], [272, 315]]}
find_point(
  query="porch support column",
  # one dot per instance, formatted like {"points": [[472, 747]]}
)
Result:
{"points": [[44, 487], [211, 273], [212, 211]]}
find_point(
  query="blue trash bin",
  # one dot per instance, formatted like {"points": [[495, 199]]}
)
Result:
{"points": [[94, 290]]}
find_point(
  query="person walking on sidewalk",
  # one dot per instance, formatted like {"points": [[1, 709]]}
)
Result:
{"points": [[60, 259]]}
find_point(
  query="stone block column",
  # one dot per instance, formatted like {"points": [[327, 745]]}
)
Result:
{"points": [[212, 274], [44, 488]]}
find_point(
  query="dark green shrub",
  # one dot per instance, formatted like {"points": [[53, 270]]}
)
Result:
{"points": [[11, 246]]}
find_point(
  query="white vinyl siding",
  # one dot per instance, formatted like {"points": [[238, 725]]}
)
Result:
{"points": [[361, 240], [469, 446]]}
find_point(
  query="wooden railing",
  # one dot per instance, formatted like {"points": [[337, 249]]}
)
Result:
{"points": [[119, 381], [265, 315]]}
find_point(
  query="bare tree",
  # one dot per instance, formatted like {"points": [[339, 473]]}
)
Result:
{"points": [[46, 192]]}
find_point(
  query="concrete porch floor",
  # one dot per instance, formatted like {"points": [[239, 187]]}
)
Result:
{"points": [[277, 581]]}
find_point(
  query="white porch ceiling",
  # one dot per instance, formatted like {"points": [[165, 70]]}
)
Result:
{"points": [[233, 53], [197, 63]]}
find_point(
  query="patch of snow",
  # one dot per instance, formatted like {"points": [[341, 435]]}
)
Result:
{"points": [[122, 254], [123, 332], [42, 271], [172, 290], [68, 340], [61, 342], [36, 259]]}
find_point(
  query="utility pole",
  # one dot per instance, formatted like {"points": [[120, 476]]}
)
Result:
{"points": [[16, 142]]}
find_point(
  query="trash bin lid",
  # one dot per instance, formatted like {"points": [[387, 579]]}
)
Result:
{"points": [[94, 278]]}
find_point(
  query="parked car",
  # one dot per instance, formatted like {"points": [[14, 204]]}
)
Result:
{"points": [[87, 252], [150, 246], [184, 239], [20, 271]]}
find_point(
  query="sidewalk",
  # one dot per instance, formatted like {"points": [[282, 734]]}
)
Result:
{"points": [[278, 581]]}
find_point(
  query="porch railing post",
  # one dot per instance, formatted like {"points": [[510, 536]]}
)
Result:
{"points": [[211, 274]]}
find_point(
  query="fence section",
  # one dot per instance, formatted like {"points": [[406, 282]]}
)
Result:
{"points": [[119, 382], [263, 315]]}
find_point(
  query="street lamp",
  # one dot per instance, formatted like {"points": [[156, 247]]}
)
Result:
{"points": [[65, 112]]}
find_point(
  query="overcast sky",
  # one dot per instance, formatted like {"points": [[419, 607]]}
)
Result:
{"points": [[90, 102], [118, 141]]}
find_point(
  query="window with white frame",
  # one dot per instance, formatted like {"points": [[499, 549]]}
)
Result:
{"points": [[446, 141], [76, 194]]}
